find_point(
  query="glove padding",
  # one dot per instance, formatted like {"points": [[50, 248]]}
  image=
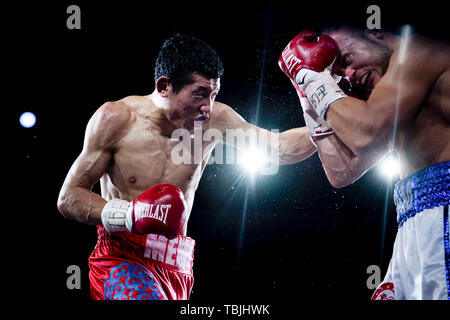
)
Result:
{"points": [[307, 61], [310, 51]]}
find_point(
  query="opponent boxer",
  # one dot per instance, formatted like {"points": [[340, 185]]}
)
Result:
{"points": [[142, 250], [407, 109]]}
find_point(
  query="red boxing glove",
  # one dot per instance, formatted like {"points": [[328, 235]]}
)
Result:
{"points": [[306, 61], [310, 51], [160, 209]]}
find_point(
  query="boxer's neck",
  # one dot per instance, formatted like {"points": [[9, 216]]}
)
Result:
{"points": [[160, 114]]}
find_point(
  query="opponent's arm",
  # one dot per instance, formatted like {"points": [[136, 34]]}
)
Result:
{"points": [[292, 146], [341, 165], [76, 201], [367, 128], [363, 130]]}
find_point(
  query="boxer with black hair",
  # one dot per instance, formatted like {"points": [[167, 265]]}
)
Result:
{"points": [[146, 199]]}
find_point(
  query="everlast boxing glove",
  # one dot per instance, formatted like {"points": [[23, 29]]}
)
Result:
{"points": [[306, 60], [160, 209]]}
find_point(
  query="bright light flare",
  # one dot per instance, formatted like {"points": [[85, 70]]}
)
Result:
{"points": [[252, 160], [390, 166], [27, 120]]}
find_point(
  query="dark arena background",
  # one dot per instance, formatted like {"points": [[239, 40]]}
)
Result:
{"points": [[290, 240]]}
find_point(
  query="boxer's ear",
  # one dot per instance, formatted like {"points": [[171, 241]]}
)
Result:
{"points": [[162, 86]]}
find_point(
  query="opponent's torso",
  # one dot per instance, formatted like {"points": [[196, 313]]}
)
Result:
{"points": [[426, 139], [143, 158]]}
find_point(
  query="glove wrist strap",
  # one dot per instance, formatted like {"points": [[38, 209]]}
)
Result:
{"points": [[114, 215], [322, 92]]}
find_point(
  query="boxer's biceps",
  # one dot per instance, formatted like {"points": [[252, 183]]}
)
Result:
{"points": [[75, 200], [102, 133], [89, 167]]}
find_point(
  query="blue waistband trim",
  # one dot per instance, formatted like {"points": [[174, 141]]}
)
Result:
{"points": [[447, 251], [424, 189]]}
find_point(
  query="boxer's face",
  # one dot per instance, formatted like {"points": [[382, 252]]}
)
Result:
{"points": [[361, 61], [194, 102]]}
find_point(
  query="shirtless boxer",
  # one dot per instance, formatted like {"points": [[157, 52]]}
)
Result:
{"points": [[407, 109], [142, 250]]}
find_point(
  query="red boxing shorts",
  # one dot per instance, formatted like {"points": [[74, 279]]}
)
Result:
{"points": [[127, 266]]}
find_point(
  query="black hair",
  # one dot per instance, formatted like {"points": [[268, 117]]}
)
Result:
{"points": [[356, 29], [180, 56], [359, 29]]}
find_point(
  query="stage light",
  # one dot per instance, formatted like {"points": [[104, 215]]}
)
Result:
{"points": [[27, 120], [252, 160], [390, 166]]}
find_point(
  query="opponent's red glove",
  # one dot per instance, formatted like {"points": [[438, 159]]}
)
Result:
{"points": [[160, 209], [310, 51], [306, 60]]}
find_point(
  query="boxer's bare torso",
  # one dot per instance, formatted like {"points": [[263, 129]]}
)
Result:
{"points": [[130, 145], [142, 156], [425, 140]]}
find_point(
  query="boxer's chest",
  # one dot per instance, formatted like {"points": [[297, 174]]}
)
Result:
{"points": [[145, 158], [424, 141]]}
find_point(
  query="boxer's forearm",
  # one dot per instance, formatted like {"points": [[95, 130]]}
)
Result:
{"points": [[295, 146], [341, 166], [81, 204], [360, 130]]}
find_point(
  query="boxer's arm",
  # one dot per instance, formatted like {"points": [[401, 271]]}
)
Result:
{"points": [[367, 128], [292, 146], [76, 200], [341, 165], [295, 145]]}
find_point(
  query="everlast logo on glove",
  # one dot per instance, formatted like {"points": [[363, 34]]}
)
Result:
{"points": [[290, 60], [146, 210], [160, 209]]}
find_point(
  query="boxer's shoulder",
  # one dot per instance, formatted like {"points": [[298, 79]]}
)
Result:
{"points": [[426, 52], [110, 122], [222, 113], [219, 107], [116, 114], [420, 60], [222, 110]]}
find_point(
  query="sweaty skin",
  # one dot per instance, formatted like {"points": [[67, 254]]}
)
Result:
{"points": [[128, 146], [410, 97]]}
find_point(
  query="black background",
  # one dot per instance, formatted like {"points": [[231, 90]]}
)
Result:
{"points": [[303, 242]]}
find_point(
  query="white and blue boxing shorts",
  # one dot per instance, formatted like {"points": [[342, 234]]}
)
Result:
{"points": [[419, 268]]}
